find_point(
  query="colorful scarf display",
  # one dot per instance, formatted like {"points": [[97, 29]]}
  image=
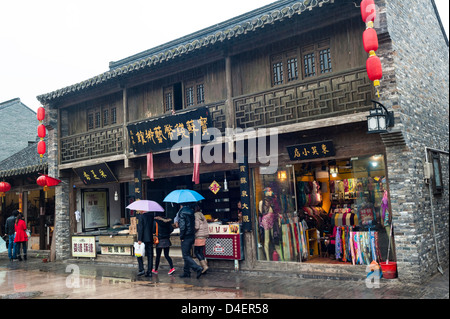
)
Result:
{"points": [[356, 247]]}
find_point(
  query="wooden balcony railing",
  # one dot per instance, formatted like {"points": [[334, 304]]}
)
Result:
{"points": [[325, 96]]}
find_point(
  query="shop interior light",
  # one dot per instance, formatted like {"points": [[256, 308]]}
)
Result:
{"points": [[334, 171], [282, 175], [379, 119]]}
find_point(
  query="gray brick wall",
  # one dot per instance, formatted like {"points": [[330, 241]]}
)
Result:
{"points": [[415, 85], [18, 125]]}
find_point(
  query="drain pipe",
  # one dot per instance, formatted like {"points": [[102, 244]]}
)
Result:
{"points": [[429, 174]]}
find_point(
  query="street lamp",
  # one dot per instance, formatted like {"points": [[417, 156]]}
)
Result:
{"points": [[379, 119]]}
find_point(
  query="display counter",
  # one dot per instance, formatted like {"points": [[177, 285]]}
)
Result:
{"points": [[224, 242]]}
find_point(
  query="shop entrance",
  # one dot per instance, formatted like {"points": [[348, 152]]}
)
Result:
{"points": [[220, 189], [333, 211]]}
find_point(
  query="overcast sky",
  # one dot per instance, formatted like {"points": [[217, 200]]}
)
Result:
{"points": [[46, 45]]}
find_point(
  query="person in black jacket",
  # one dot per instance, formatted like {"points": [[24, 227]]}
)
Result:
{"points": [[165, 228], [145, 235], [10, 231], [186, 222]]}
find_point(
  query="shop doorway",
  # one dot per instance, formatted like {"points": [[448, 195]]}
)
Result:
{"points": [[220, 189]]}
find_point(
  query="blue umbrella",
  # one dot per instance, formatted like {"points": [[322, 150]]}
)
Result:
{"points": [[183, 196]]}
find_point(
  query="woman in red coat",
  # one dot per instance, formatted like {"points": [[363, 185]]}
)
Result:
{"points": [[21, 237]]}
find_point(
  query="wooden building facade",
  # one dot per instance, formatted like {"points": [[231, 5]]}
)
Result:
{"points": [[297, 66]]}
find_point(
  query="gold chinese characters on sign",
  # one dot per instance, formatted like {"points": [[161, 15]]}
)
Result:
{"points": [[163, 133], [312, 150]]}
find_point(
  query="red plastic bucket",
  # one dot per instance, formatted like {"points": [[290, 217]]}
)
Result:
{"points": [[389, 270]]}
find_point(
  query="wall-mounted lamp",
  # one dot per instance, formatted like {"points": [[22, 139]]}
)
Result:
{"points": [[379, 119], [116, 196]]}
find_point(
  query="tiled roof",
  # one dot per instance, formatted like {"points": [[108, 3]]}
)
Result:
{"points": [[24, 162], [218, 33]]}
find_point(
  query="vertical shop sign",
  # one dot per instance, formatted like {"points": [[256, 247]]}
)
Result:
{"points": [[137, 184], [245, 195]]}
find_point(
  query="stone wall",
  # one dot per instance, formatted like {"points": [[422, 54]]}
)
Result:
{"points": [[62, 238], [414, 56]]}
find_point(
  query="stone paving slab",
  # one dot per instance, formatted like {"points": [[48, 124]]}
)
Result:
{"points": [[34, 279]]}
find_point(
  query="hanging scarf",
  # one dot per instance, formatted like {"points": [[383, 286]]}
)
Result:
{"points": [[385, 208], [197, 160], [150, 166]]}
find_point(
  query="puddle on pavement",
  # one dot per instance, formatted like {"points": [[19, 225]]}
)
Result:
{"points": [[23, 295]]}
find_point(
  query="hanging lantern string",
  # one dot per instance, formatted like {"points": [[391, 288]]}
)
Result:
{"points": [[41, 130], [370, 41]]}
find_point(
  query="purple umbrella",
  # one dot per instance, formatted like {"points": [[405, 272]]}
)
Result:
{"points": [[145, 206]]}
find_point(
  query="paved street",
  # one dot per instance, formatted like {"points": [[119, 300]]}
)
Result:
{"points": [[34, 279]]}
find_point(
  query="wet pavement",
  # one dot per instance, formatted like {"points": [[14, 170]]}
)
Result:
{"points": [[34, 279]]}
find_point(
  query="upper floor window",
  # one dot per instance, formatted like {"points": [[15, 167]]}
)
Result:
{"points": [[184, 94], [301, 63], [101, 116]]}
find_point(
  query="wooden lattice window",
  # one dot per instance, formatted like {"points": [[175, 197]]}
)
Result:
{"points": [[200, 93], [302, 63], [325, 61], [98, 117], [284, 67]]}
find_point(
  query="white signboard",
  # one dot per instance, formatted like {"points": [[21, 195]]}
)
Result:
{"points": [[83, 246]]}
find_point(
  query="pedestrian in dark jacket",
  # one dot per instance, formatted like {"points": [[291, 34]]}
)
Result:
{"points": [[10, 231], [145, 235], [186, 222], [165, 228]]}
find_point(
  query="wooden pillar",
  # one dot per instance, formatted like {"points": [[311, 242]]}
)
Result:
{"points": [[230, 114], [125, 130], [42, 230]]}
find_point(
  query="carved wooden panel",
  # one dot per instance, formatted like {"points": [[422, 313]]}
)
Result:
{"points": [[94, 144], [323, 97]]}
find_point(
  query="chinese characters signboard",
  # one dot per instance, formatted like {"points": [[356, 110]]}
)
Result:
{"points": [[163, 133], [245, 192], [310, 151], [83, 246], [96, 174]]}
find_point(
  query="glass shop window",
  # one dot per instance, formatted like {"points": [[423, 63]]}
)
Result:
{"points": [[310, 213]]}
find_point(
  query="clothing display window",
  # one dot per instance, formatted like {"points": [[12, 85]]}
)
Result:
{"points": [[324, 212], [277, 225]]}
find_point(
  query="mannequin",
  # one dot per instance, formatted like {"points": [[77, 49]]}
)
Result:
{"points": [[268, 221]]}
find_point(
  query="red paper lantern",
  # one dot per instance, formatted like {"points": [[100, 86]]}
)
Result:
{"points": [[40, 114], [41, 131], [4, 187], [370, 40], [373, 66], [42, 181], [368, 11], [41, 148]]}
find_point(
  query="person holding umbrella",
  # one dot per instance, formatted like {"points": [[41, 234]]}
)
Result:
{"points": [[145, 221], [186, 223], [145, 235]]}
